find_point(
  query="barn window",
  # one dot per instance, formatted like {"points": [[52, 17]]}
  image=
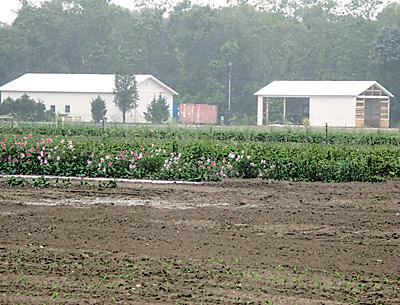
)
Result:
{"points": [[67, 108], [53, 108]]}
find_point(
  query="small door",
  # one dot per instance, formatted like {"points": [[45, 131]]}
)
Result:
{"points": [[372, 116]]}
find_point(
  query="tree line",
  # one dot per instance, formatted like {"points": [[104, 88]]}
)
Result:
{"points": [[194, 48]]}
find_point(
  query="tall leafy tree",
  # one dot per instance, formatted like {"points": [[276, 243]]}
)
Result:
{"points": [[24, 108], [98, 108], [125, 93], [386, 54], [157, 111]]}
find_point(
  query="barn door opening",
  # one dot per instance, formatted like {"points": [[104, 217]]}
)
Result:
{"points": [[372, 116], [286, 110], [297, 110], [275, 110]]}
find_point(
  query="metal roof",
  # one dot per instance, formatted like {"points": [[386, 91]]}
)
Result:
{"points": [[81, 83], [317, 88]]}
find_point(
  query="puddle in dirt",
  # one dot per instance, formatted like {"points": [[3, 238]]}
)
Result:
{"points": [[110, 202], [130, 203]]}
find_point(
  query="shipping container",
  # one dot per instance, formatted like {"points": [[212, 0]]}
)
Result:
{"points": [[175, 111], [187, 114], [206, 114], [198, 114]]}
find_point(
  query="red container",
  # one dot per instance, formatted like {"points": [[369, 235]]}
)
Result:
{"points": [[206, 114], [187, 113], [198, 114]]}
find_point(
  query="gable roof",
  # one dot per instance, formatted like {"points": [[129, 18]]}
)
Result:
{"points": [[317, 88], [82, 83]]}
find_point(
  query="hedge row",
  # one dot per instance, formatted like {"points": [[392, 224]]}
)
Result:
{"points": [[211, 133], [197, 160]]}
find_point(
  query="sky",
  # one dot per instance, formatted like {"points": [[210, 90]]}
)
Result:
{"points": [[8, 8]]}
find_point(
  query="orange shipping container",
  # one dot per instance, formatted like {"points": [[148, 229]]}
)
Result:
{"points": [[187, 113], [198, 114], [206, 114]]}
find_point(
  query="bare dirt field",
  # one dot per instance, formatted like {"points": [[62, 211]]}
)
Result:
{"points": [[236, 242]]}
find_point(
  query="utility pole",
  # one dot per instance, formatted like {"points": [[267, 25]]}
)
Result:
{"points": [[229, 87]]}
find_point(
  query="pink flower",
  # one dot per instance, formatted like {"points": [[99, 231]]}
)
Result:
{"points": [[136, 155], [62, 141], [28, 155], [142, 148], [30, 136], [4, 141], [22, 144], [41, 141], [49, 140], [32, 150], [110, 164], [213, 164], [3, 146]]}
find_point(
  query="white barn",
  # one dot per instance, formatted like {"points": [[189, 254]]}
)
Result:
{"points": [[70, 95], [336, 103]]}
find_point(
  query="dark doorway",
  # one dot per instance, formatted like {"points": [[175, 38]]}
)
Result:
{"points": [[297, 109], [372, 116]]}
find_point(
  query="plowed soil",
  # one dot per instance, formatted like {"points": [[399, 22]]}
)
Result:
{"points": [[237, 242]]}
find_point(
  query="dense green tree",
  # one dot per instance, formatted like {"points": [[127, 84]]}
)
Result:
{"points": [[99, 109], [386, 54], [23, 108], [125, 93], [157, 111]]}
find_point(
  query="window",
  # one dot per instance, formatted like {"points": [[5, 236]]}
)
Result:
{"points": [[67, 108], [53, 108]]}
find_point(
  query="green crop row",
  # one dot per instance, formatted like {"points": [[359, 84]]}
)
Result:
{"points": [[194, 160], [209, 133]]}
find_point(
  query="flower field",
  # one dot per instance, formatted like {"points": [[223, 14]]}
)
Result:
{"points": [[195, 155]]}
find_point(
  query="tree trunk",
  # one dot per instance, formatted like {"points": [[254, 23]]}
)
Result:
{"points": [[123, 117]]}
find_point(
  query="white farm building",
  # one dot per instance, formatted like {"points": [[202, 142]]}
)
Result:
{"points": [[70, 95], [336, 103]]}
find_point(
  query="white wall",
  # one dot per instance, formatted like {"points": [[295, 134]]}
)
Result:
{"points": [[335, 110], [260, 110], [80, 102], [147, 91]]}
